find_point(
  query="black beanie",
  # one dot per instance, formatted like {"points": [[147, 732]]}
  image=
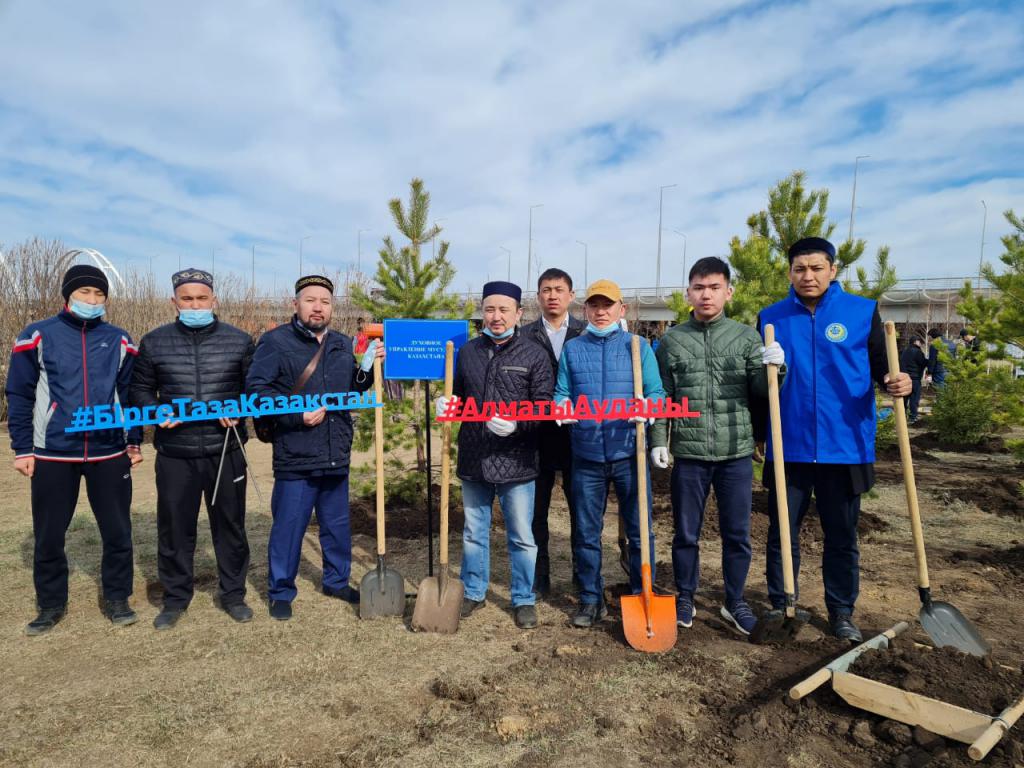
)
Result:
{"points": [[82, 276]]}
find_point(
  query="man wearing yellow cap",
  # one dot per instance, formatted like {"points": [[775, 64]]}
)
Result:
{"points": [[599, 365]]}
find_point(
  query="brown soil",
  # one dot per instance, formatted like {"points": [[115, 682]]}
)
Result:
{"points": [[945, 674], [930, 441]]}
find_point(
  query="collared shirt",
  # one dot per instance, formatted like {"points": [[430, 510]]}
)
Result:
{"points": [[556, 335]]}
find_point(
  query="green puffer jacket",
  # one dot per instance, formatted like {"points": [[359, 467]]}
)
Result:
{"points": [[717, 365]]}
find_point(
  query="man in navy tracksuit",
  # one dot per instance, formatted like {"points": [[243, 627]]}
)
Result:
{"points": [[312, 449], [835, 353], [70, 360]]}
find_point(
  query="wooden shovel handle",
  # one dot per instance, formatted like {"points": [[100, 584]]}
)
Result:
{"points": [[903, 436], [641, 460], [446, 442], [779, 467], [378, 447]]}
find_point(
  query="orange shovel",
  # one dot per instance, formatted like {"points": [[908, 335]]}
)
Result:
{"points": [[649, 620]]}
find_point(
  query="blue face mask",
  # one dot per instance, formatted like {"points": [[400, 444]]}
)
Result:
{"points": [[84, 311], [500, 336], [591, 328], [195, 318]]}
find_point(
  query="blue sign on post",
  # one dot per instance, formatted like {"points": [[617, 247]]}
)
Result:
{"points": [[415, 348]]}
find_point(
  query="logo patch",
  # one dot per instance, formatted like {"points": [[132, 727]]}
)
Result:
{"points": [[836, 332]]}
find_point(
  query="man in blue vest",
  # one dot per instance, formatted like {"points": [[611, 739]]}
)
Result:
{"points": [[835, 353], [599, 365]]}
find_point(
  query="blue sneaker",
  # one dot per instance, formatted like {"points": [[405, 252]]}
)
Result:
{"points": [[741, 616], [684, 612]]}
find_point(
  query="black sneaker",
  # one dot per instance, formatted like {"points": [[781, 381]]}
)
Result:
{"points": [[45, 621], [347, 593], [526, 616], [843, 627], [470, 606], [542, 585], [684, 612], [589, 614], [167, 618], [741, 616], [120, 613], [280, 610], [240, 612]]}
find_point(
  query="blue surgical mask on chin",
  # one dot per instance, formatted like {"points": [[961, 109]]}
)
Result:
{"points": [[499, 336], [195, 318], [84, 311], [609, 329]]}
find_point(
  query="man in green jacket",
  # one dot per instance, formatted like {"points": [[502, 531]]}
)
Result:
{"points": [[718, 364]]}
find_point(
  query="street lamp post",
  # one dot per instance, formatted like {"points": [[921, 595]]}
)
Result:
{"points": [[853, 199], [683, 235], [509, 254], [981, 257], [252, 280], [529, 245], [586, 280], [213, 262], [661, 201], [302, 240], [359, 249]]}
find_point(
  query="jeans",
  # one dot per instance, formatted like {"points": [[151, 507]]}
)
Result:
{"points": [[292, 503], [590, 481], [838, 509], [516, 501], [692, 481]]}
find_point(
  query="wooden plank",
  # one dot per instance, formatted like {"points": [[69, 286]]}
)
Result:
{"points": [[954, 722], [841, 664]]}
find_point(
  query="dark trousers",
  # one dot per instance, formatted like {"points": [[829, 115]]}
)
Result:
{"points": [[692, 481], [914, 399], [545, 483], [590, 482], [181, 485], [292, 504], [55, 487], [838, 509]]}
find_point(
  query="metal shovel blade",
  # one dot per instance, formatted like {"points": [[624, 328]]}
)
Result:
{"points": [[946, 626], [381, 592], [652, 627], [776, 627], [438, 603]]}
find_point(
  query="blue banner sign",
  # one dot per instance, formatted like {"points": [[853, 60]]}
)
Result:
{"points": [[415, 348]]}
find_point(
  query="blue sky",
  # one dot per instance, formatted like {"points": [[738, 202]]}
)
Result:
{"points": [[170, 130]]}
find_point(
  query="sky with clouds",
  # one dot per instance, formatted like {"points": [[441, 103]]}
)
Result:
{"points": [[167, 130]]}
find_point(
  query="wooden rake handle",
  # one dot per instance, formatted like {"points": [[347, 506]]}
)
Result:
{"points": [[779, 467]]}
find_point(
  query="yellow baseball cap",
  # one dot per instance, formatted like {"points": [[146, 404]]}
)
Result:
{"points": [[605, 288]]}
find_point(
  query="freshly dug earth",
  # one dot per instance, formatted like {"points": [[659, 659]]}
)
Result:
{"points": [[945, 674]]}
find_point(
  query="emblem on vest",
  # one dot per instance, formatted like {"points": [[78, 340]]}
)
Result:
{"points": [[836, 332]]}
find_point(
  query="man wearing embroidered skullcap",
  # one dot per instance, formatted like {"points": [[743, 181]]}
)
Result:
{"points": [[201, 358], [835, 355], [500, 457], [58, 365], [312, 450]]}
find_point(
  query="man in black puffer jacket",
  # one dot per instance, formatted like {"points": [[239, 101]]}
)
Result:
{"points": [[200, 358], [499, 457]]}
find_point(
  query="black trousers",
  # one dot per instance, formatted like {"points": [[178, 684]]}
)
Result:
{"points": [[181, 484], [545, 484], [55, 488]]}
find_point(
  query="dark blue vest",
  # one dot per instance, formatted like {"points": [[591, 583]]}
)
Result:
{"points": [[827, 396]]}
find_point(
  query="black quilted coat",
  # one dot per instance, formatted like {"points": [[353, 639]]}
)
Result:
{"points": [[208, 363], [514, 371]]}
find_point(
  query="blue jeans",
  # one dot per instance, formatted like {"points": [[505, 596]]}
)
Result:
{"points": [[516, 501], [292, 504], [590, 481], [692, 481]]}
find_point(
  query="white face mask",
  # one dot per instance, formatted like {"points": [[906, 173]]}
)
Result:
{"points": [[84, 311]]}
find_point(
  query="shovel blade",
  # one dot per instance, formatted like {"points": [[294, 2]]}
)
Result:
{"points": [[775, 627], [946, 626], [381, 593], [662, 634], [437, 608]]}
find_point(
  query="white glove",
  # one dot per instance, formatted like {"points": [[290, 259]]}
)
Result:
{"points": [[441, 405], [367, 360], [501, 427], [641, 419], [565, 422], [772, 354], [659, 457]]}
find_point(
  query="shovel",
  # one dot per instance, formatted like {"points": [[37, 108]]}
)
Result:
{"points": [[944, 624], [439, 598], [382, 590], [648, 620], [780, 626]]}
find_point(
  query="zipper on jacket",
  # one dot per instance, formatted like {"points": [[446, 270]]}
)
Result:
{"points": [[604, 389], [85, 391], [814, 383], [711, 401], [195, 367]]}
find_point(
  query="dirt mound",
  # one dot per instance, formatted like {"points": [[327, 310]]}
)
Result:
{"points": [[945, 674], [930, 441], [1000, 496]]}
